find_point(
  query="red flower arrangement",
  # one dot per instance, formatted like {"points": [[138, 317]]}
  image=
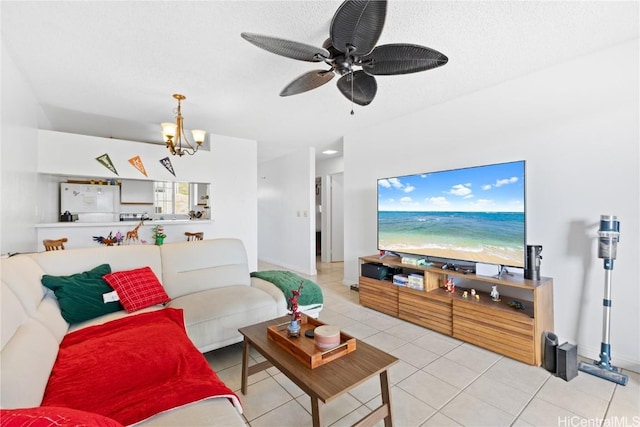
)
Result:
{"points": [[294, 311]]}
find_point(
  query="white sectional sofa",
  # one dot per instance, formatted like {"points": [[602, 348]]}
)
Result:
{"points": [[207, 279]]}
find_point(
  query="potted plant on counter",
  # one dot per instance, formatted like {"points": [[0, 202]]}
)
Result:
{"points": [[158, 235]]}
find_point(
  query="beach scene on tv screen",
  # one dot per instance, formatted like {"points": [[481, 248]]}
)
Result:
{"points": [[473, 214]]}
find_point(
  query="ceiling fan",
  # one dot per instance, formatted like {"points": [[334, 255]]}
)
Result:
{"points": [[351, 52]]}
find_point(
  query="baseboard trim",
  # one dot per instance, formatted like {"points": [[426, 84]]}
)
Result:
{"points": [[618, 360]]}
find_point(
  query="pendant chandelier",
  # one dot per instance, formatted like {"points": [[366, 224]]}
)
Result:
{"points": [[174, 136]]}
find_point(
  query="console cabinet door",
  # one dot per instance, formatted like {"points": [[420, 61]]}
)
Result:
{"points": [[379, 295], [500, 331], [428, 309]]}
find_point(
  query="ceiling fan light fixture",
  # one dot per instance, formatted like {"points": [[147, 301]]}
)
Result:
{"points": [[174, 136]]}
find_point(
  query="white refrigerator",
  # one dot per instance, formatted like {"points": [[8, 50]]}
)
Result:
{"points": [[92, 203]]}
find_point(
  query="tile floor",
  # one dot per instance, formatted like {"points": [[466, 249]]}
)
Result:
{"points": [[439, 381]]}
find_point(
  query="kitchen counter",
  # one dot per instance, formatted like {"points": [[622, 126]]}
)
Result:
{"points": [[81, 234]]}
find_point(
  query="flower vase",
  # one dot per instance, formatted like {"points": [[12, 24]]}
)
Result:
{"points": [[159, 241], [293, 330]]}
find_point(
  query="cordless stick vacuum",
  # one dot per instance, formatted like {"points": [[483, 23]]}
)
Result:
{"points": [[609, 235]]}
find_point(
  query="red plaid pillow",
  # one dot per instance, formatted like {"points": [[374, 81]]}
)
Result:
{"points": [[137, 288]]}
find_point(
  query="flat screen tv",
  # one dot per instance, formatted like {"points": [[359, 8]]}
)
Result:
{"points": [[474, 214]]}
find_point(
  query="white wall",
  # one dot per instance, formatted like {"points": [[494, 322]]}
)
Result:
{"points": [[286, 220], [73, 154], [29, 198], [18, 151], [233, 202], [577, 126], [330, 166], [234, 192]]}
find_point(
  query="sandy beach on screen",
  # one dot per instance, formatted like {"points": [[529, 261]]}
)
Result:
{"points": [[499, 257]]}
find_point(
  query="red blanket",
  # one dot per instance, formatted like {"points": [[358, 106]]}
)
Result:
{"points": [[132, 368]]}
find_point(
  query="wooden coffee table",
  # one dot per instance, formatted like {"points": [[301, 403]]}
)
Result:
{"points": [[323, 383]]}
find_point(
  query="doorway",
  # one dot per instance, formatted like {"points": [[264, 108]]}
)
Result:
{"points": [[330, 216], [318, 216]]}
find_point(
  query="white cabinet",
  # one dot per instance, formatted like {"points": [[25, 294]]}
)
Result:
{"points": [[136, 192]]}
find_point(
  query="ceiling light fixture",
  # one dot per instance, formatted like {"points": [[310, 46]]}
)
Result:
{"points": [[173, 133], [329, 152]]}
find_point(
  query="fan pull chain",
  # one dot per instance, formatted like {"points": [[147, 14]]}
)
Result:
{"points": [[352, 113]]}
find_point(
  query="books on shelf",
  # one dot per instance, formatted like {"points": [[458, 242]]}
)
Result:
{"points": [[416, 281], [413, 260], [413, 281], [400, 279]]}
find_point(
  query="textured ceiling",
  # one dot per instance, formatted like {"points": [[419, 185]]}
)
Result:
{"points": [[110, 68]]}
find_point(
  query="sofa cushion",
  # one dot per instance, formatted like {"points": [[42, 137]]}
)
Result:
{"points": [[211, 412], [53, 416], [29, 350], [80, 295], [109, 317], [23, 276], [120, 258], [212, 317], [137, 289], [13, 314], [190, 267]]}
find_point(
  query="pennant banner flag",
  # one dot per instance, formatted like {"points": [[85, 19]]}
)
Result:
{"points": [[105, 160], [166, 162], [137, 163]]}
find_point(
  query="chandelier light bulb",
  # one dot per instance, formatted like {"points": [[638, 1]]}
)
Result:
{"points": [[168, 130], [198, 136]]}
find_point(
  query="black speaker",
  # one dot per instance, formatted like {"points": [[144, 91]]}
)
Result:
{"points": [[374, 271], [567, 361], [550, 350], [532, 267]]}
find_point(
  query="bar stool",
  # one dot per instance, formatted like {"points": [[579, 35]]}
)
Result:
{"points": [[54, 245], [191, 237]]}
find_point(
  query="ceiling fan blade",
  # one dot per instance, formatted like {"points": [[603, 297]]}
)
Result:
{"points": [[364, 87], [288, 48], [391, 59], [358, 23], [307, 81]]}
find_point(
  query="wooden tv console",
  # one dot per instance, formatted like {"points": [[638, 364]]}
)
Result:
{"points": [[495, 325]]}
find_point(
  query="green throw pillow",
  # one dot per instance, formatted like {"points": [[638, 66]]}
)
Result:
{"points": [[80, 295]]}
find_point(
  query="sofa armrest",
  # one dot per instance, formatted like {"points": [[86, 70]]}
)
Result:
{"points": [[272, 290]]}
